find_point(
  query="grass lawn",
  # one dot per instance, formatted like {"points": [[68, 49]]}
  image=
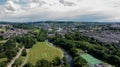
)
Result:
{"points": [[2, 29], [2, 41], [108, 64], [42, 50], [3, 59], [37, 31], [22, 58]]}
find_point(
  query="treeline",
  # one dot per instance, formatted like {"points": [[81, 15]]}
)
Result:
{"points": [[29, 40], [108, 53], [23, 26], [56, 62]]}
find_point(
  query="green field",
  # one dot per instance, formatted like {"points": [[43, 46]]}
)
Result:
{"points": [[22, 58], [90, 59], [37, 31], [2, 41], [3, 59], [2, 29], [42, 50]]}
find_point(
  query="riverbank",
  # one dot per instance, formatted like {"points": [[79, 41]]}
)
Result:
{"points": [[66, 54]]}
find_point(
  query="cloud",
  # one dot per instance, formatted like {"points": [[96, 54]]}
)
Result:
{"points": [[67, 3], [79, 10]]}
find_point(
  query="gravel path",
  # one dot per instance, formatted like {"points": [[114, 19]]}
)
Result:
{"points": [[16, 57]]}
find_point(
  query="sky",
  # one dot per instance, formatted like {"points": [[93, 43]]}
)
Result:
{"points": [[60, 10]]}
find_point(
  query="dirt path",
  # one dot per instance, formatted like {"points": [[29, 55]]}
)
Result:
{"points": [[16, 57], [26, 58]]}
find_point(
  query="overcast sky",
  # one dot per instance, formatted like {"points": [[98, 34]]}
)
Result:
{"points": [[71, 10]]}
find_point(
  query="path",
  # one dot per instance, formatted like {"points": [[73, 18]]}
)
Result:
{"points": [[26, 58], [16, 57]]}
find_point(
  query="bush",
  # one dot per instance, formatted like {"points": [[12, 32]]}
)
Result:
{"points": [[56, 61], [3, 64], [79, 62], [17, 63], [24, 53], [28, 65], [43, 63], [10, 54], [2, 55]]}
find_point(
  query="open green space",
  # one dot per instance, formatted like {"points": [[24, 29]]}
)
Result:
{"points": [[2, 29], [22, 58], [37, 31], [2, 41], [3, 59], [42, 50], [90, 59]]}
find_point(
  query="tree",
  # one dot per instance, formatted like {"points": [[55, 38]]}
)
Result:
{"points": [[10, 44], [2, 55], [79, 62], [28, 41], [92, 46], [17, 63], [28, 65], [43, 63], [74, 52], [3, 64], [41, 35], [1, 37], [69, 37], [65, 62], [24, 53], [10, 54], [56, 61]]}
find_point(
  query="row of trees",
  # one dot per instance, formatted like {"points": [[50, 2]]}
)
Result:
{"points": [[23, 26], [56, 62]]}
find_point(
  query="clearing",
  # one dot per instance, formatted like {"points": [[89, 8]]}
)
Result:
{"points": [[42, 50]]}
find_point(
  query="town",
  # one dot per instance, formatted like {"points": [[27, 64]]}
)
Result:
{"points": [[59, 33], [85, 44]]}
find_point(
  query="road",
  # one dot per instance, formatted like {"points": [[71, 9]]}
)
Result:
{"points": [[16, 57], [26, 58]]}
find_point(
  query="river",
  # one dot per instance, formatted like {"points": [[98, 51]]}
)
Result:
{"points": [[69, 58]]}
